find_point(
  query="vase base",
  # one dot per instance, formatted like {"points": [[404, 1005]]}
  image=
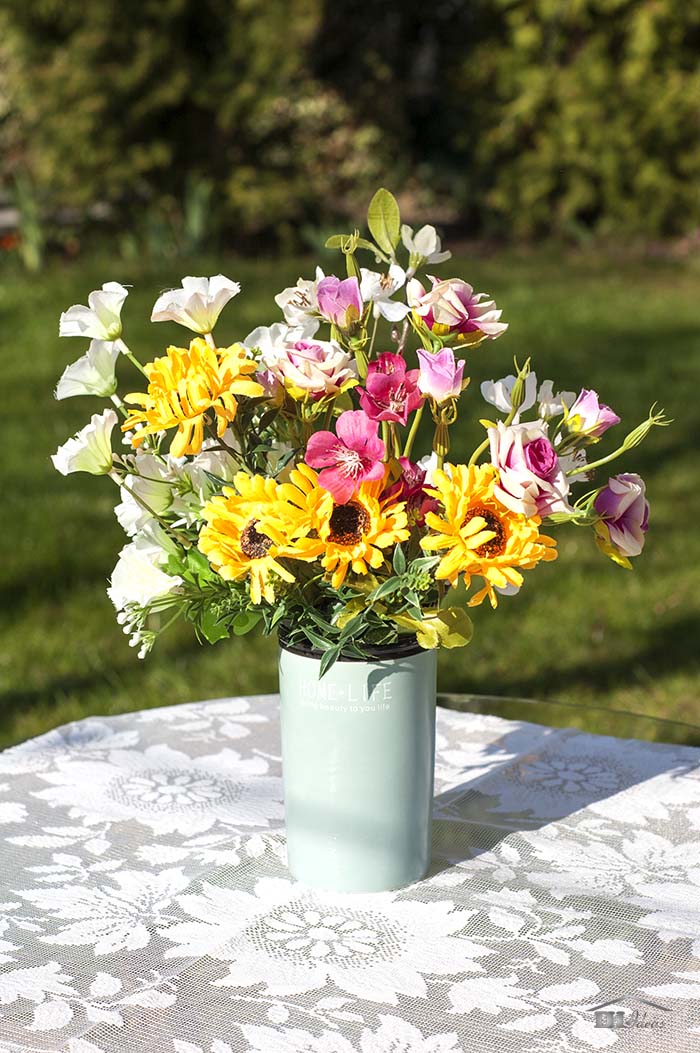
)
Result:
{"points": [[354, 883]]}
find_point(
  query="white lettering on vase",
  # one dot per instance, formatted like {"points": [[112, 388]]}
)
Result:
{"points": [[334, 697]]}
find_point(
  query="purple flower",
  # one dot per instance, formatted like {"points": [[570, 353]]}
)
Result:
{"points": [[625, 517], [452, 308], [339, 301], [531, 478], [391, 391], [352, 456], [440, 376], [590, 417]]}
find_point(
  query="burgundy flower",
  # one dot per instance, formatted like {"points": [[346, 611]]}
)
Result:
{"points": [[410, 488], [391, 391]]}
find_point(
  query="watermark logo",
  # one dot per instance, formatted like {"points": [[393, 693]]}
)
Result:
{"points": [[630, 1010]]}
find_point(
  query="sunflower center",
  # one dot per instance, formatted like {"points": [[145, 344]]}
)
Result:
{"points": [[348, 523], [497, 544], [254, 545]]}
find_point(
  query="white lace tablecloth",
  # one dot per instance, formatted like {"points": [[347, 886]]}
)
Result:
{"points": [[145, 906]]}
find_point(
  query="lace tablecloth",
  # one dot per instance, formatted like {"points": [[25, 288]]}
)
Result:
{"points": [[145, 906]]}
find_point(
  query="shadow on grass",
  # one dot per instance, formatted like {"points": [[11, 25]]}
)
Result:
{"points": [[671, 648]]}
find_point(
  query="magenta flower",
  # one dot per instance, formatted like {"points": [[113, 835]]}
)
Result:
{"points": [[410, 488], [452, 308], [588, 416], [391, 391], [339, 301], [354, 455], [625, 516], [531, 478], [440, 376]]}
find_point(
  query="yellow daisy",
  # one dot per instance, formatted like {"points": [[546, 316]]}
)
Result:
{"points": [[479, 536], [343, 536], [186, 385], [246, 530]]}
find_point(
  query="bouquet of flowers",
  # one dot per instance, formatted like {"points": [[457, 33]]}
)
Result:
{"points": [[278, 481]]}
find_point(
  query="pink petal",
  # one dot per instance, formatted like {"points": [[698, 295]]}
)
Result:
{"points": [[322, 449], [356, 430], [341, 486]]}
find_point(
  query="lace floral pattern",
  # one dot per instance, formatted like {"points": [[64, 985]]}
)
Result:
{"points": [[145, 903]]}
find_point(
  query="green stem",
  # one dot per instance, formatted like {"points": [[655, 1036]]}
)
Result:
{"points": [[120, 405], [395, 444], [385, 439], [131, 356], [478, 452], [372, 338], [408, 446]]}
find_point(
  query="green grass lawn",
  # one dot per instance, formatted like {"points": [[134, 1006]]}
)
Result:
{"points": [[582, 630]]}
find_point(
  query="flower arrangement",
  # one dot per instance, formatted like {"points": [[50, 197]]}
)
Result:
{"points": [[276, 481]]}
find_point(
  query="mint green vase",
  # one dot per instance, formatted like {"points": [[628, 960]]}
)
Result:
{"points": [[358, 754]]}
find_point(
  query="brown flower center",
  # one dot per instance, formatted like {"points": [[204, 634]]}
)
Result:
{"points": [[254, 545], [348, 523], [497, 544]]}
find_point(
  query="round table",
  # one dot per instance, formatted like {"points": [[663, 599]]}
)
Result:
{"points": [[145, 904]]}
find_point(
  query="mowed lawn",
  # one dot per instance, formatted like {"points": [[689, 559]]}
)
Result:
{"points": [[582, 630]]}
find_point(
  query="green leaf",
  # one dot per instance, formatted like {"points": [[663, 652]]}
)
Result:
{"points": [[385, 589], [399, 560], [244, 622], [384, 220], [329, 658], [211, 628]]}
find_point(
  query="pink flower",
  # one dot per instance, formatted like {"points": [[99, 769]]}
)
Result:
{"points": [[308, 369], [440, 376], [339, 301], [531, 478], [625, 516], [452, 308], [352, 456], [391, 391], [588, 416], [409, 488]]}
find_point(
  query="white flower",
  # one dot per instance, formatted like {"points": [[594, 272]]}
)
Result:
{"points": [[101, 320], [499, 393], [137, 577], [151, 483], [292, 939], [379, 288], [198, 304], [551, 405], [93, 374], [424, 246], [271, 340], [168, 791], [299, 303], [211, 462], [120, 916], [90, 450]]}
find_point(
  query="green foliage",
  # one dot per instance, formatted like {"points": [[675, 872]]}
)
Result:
{"points": [[188, 119], [133, 104], [584, 115]]}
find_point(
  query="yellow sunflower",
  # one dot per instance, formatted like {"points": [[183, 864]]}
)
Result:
{"points": [[479, 536], [343, 536], [185, 385], [246, 530]]}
